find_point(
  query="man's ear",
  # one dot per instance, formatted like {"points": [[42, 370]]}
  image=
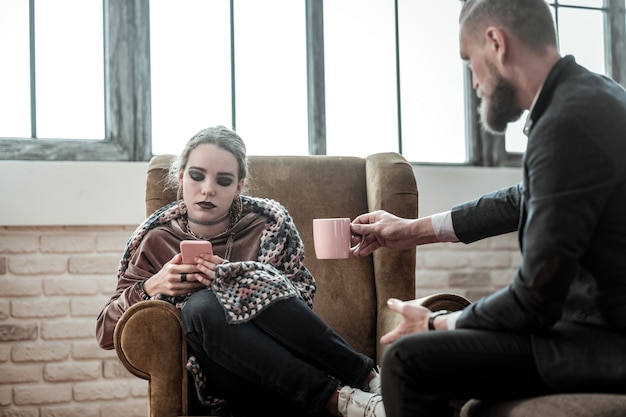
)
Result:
{"points": [[496, 41]]}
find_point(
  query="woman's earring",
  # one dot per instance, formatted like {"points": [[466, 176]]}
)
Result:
{"points": [[235, 209]]}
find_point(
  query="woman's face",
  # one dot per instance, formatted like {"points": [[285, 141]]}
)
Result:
{"points": [[210, 182]]}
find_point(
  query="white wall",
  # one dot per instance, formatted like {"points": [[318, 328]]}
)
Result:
{"points": [[112, 193], [72, 193], [441, 187]]}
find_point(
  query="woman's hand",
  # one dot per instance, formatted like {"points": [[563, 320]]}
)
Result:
{"points": [[414, 319], [206, 266], [176, 278]]}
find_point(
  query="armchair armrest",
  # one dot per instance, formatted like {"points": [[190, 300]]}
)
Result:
{"points": [[391, 186], [149, 340], [444, 301], [389, 319]]}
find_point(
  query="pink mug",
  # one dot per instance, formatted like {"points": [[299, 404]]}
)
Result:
{"points": [[332, 238]]}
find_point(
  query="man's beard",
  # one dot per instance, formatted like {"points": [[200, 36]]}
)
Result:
{"points": [[501, 107]]}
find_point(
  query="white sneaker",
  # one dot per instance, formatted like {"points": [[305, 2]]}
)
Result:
{"points": [[356, 403], [374, 385]]}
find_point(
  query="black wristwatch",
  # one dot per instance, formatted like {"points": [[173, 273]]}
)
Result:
{"points": [[431, 319]]}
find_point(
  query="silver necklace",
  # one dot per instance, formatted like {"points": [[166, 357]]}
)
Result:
{"points": [[188, 219], [229, 242]]}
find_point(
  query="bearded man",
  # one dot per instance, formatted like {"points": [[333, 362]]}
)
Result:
{"points": [[560, 326]]}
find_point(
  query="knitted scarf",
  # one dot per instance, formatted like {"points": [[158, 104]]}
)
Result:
{"points": [[277, 273]]}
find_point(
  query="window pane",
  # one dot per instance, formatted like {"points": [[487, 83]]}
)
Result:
{"points": [[586, 45], [190, 70], [14, 78], [433, 121], [361, 110], [271, 86], [69, 69]]}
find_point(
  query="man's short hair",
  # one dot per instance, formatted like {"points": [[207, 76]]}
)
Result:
{"points": [[529, 20]]}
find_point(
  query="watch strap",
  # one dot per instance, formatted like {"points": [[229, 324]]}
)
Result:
{"points": [[431, 318]]}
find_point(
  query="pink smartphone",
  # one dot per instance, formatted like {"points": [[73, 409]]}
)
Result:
{"points": [[193, 248]]}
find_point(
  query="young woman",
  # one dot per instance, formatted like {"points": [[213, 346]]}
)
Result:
{"points": [[254, 342]]}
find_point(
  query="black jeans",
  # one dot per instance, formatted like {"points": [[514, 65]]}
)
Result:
{"points": [[286, 359], [423, 373]]}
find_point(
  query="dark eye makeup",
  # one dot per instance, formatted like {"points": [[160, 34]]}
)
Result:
{"points": [[224, 180], [196, 175]]}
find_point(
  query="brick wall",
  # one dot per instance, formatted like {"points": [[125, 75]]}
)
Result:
{"points": [[55, 280], [473, 270]]}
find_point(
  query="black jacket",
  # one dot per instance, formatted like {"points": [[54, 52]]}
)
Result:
{"points": [[569, 292]]}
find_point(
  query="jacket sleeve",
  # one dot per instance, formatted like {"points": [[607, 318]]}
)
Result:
{"points": [[490, 215]]}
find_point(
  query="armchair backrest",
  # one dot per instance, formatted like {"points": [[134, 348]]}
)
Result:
{"points": [[352, 293]]}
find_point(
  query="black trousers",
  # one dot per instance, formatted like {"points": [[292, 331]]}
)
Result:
{"points": [[285, 360], [422, 374]]}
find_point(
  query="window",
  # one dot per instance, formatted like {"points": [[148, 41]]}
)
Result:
{"points": [[193, 72], [293, 77], [387, 88], [80, 102], [268, 105]]}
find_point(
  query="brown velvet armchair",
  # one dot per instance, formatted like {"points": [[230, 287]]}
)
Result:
{"points": [[351, 294]]}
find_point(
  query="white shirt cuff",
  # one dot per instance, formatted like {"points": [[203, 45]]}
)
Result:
{"points": [[442, 225], [451, 320]]}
